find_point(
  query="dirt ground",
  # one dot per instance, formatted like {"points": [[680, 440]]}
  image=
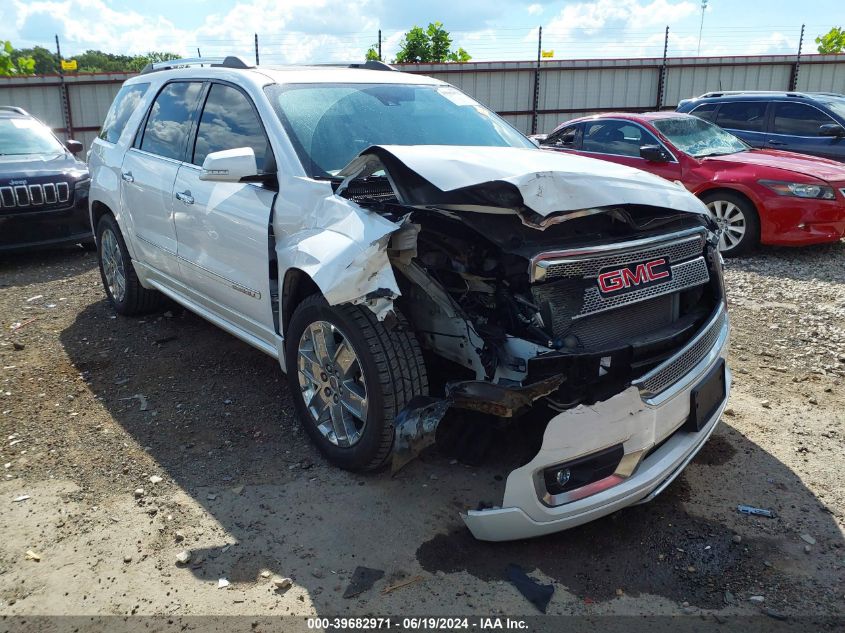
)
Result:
{"points": [[93, 406]]}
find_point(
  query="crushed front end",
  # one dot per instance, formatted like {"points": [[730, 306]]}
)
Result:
{"points": [[601, 303]]}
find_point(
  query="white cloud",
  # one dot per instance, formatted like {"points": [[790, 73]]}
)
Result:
{"points": [[631, 14], [534, 9]]}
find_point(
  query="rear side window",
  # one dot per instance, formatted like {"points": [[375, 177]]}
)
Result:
{"points": [[126, 101], [565, 138], [170, 119], [743, 115], [229, 121], [616, 137], [798, 119], [706, 111]]}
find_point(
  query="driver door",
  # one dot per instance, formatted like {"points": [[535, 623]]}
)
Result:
{"points": [[223, 227]]}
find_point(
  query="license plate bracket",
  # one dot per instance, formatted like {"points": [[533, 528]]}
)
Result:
{"points": [[706, 397]]}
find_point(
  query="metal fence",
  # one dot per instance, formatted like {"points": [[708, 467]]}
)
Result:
{"points": [[533, 96]]}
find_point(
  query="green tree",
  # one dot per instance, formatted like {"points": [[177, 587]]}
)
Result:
{"points": [[430, 45], [833, 41], [372, 54], [9, 65], [45, 60]]}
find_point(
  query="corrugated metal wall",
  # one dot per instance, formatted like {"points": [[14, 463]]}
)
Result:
{"points": [[566, 88]]}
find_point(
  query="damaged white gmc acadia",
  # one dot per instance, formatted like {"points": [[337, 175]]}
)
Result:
{"points": [[360, 224]]}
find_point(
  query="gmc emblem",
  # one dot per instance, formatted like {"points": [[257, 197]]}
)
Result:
{"points": [[633, 276]]}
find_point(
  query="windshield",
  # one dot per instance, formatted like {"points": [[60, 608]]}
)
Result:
{"points": [[26, 136], [330, 124], [837, 105], [699, 138]]}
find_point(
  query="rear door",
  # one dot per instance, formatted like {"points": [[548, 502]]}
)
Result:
{"points": [[745, 119], [223, 227], [149, 171], [620, 140], [795, 127]]}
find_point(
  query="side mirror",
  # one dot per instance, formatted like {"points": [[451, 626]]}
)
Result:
{"points": [[654, 153], [831, 129], [230, 165], [74, 147]]}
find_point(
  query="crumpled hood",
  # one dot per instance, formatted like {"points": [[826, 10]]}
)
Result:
{"points": [[542, 181], [812, 166]]}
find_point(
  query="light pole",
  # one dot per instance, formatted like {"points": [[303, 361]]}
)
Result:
{"points": [[701, 26]]}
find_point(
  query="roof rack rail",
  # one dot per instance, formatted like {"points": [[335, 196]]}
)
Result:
{"points": [[230, 61], [370, 64], [16, 109], [722, 93]]}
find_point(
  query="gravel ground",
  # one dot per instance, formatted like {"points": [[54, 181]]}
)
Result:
{"points": [[136, 441]]}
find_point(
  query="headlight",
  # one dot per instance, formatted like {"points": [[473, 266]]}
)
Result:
{"points": [[799, 190], [82, 184]]}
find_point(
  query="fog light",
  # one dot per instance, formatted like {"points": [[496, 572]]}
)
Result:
{"points": [[562, 476]]}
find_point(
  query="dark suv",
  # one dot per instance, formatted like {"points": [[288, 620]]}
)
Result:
{"points": [[43, 186], [806, 122]]}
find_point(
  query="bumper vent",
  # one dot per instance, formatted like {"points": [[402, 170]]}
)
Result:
{"points": [[667, 374]]}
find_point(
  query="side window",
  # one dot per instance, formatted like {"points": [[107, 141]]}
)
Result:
{"points": [[798, 119], [229, 121], [169, 122], [126, 101], [616, 137], [565, 138], [706, 111], [742, 115]]}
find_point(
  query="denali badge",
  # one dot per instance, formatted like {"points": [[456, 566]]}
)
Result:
{"points": [[633, 276]]}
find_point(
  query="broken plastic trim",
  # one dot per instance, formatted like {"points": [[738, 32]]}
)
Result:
{"points": [[417, 423]]}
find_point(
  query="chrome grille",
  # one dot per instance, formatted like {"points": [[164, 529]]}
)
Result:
{"points": [[667, 374], [24, 196], [685, 275], [588, 264]]}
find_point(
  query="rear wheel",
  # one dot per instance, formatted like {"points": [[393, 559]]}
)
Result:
{"points": [[737, 222], [121, 284], [350, 375]]}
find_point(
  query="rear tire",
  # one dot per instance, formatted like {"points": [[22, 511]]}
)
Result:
{"points": [[125, 292], [737, 219], [330, 390]]}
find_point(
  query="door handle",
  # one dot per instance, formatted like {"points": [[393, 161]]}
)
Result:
{"points": [[127, 176], [185, 196], [776, 143]]}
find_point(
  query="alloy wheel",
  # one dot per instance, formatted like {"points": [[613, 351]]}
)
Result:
{"points": [[731, 223], [332, 383], [114, 269]]}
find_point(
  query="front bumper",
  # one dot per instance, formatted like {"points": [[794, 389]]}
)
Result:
{"points": [[29, 229], [634, 418]]}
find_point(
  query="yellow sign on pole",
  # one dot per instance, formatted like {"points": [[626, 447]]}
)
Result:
{"points": [[548, 54], [69, 64]]}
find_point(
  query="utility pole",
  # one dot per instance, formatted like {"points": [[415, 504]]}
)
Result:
{"points": [[256, 49], [661, 80], [537, 81], [63, 92], [701, 26], [793, 79], [379, 46], [198, 52]]}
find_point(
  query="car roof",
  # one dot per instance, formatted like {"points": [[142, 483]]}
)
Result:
{"points": [[13, 112], [763, 95], [632, 116], [264, 75]]}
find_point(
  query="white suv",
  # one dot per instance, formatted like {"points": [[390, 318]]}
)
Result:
{"points": [[360, 224]]}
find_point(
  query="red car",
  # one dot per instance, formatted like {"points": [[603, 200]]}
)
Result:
{"points": [[755, 195]]}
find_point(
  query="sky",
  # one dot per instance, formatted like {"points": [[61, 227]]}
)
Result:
{"points": [[312, 31]]}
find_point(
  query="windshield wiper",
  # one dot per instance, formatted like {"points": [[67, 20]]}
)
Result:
{"points": [[707, 154]]}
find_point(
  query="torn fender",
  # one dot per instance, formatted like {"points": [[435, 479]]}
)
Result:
{"points": [[340, 245], [515, 178]]}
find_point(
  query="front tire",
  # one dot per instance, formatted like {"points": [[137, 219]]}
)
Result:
{"points": [[125, 292], [736, 217], [350, 375]]}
